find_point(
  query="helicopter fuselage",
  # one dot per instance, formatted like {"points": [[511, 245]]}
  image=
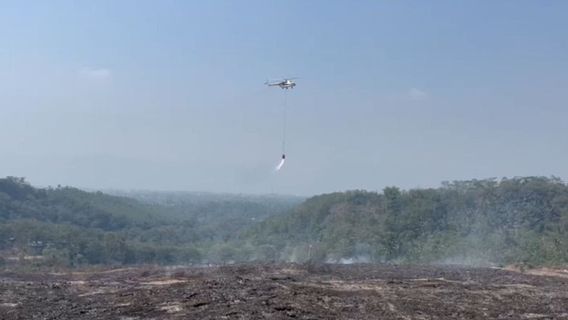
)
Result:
{"points": [[286, 84]]}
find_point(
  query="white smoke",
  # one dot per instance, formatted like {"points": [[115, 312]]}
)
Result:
{"points": [[351, 260], [281, 164]]}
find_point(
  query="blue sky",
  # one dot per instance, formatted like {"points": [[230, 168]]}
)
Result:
{"points": [[169, 95]]}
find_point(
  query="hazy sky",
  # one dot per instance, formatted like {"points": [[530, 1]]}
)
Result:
{"points": [[169, 95]]}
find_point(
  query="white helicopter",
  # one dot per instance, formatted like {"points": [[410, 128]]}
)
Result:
{"points": [[284, 83]]}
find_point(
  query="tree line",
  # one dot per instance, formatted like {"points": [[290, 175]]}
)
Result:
{"points": [[493, 221]]}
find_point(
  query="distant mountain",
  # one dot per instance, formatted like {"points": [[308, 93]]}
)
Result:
{"points": [[172, 198], [520, 220], [220, 215]]}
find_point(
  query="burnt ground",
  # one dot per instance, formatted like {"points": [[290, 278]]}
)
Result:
{"points": [[286, 291]]}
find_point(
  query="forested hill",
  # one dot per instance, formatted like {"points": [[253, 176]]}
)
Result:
{"points": [[66, 205], [520, 220], [68, 226]]}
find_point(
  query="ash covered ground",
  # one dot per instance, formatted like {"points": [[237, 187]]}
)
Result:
{"points": [[286, 291]]}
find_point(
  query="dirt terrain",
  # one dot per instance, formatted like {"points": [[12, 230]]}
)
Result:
{"points": [[286, 291]]}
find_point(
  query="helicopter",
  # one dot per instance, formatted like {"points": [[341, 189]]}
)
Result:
{"points": [[284, 83]]}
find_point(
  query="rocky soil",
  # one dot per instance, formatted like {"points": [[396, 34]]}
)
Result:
{"points": [[286, 291]]}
